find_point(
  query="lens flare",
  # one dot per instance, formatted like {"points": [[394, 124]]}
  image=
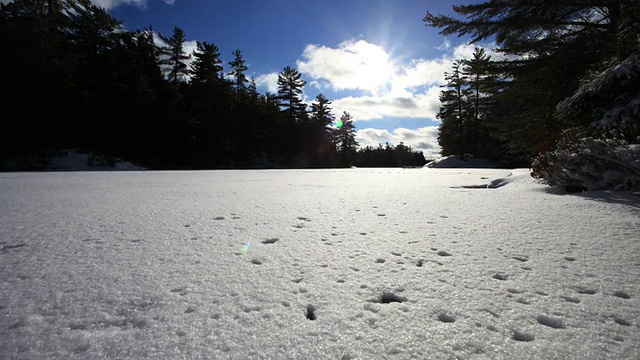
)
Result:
{"points": [[246, 247]]}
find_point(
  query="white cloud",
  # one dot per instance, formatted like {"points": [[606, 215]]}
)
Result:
{"points": [[268, 82], [407, 105], [422, 72], [446, 45], [394, 89], [353, 65], [423, 139], [361, 65]]}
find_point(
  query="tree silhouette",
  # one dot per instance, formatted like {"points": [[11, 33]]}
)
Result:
{"points": [[176, 67]]}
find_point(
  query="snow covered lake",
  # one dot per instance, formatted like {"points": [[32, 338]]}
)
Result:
{"points": [[315, 264]]}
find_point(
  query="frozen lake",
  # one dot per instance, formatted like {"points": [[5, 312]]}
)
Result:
{"points": [[315, 264]]}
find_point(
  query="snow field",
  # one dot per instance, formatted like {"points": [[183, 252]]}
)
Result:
{"points": [[347, 264]]}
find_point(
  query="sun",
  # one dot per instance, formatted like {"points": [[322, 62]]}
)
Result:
{"points": [[374, 70]]}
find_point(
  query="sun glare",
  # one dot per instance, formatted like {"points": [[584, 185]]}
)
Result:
{"points": [[374, 69]]}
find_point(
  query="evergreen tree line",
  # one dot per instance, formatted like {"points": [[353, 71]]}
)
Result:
{"points": [[72, 77], [550, 89]]}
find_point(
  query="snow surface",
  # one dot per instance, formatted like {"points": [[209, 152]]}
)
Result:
{"points": [[315, 264]]}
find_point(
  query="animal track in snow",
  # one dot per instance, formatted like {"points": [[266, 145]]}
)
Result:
{"points": [[380, 260], [521, 258], [302, 218], [586, 290], [256, 262], [621, 321], [446, 317], [570, 299], [444, 253], [621, 294], [388, 297], [249, 309], [500, 277], [12, 246], [549, 321], [522, 336], [182, 291], [493, 313], [569, 258], [270, 241], [310, 312], [218, 218], [523, 301]]}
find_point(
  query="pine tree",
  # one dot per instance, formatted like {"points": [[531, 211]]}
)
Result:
{"points": [[482, 85], [206, 66], [550, 47], [36, 68], [319, 142], [346, 139], [176, 67], [238, 69], [294, 118], [208, 107], [454, 112], [290, 87]]}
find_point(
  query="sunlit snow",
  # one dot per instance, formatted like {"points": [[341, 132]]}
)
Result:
{"points": [[315, 264]]}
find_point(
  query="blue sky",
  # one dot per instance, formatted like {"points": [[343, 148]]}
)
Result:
{"points": [[375, 59]]}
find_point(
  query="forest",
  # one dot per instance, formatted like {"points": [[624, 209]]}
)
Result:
{"points": [[562, 96], [75, 79], [552, 85]]}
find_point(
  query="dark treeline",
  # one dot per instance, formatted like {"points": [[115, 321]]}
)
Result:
{"points": [[73, 78], [389, 156], [507, 107], [563, 97]]}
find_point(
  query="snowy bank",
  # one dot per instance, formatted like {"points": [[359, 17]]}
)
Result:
{"points": [[467, 161]]}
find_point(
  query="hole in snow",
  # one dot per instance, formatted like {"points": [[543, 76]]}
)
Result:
{"points": [[621, 321], [389, 297], [587, 291], [310, 312], [550, 321], [446, 318], [522, 336], [621, 294], [270, 241]]}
